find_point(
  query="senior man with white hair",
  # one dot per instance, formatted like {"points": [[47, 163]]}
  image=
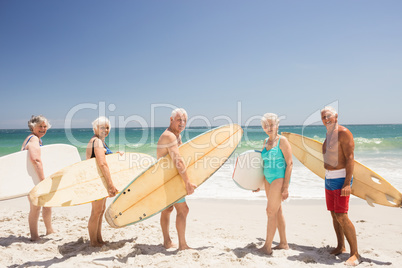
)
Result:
{"points": [[338, 151], [169, 143]]}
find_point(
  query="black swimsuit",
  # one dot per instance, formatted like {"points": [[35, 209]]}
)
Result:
{"points": [[108, 151]]}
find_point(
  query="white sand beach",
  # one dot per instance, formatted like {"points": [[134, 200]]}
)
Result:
{"points": [[223, 233]]}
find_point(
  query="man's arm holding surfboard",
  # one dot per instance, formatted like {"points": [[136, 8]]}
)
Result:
{"points": [[348, 145], [173, 150]]}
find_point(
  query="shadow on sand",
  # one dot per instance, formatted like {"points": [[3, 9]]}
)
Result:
{"points": [[7, 241], [72, 249], [308, 254], [322, 255], [82, 247], [155, 249], [142, 249]]}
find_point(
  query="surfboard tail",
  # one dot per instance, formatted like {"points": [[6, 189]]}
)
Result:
{"points": [[110, 218], [33, 197]]}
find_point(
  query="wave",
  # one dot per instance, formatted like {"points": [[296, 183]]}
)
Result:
{"points": [[375, 145], [383, 144]]}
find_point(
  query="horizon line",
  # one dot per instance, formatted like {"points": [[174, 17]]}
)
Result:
{"points": [[290, 125]]}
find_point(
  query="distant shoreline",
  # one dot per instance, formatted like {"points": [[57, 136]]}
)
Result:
{"points": [[205, 127]]}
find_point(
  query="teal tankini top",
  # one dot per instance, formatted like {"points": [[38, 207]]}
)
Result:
{"points": [[274, 163]]}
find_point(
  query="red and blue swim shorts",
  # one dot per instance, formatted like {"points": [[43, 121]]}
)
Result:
{"points": [[336, 202]]}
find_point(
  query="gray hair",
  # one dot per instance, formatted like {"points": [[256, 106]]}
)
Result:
{"points": [[178, 111], [101, 120], [38, 120], [269, 116], [329, 109]]}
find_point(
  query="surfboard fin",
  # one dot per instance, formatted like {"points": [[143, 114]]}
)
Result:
{"points": [[66, 204], [369, 201], [391, 199]]}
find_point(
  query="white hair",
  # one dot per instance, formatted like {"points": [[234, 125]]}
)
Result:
{"points": [[38, 120], [269, 116], [329, 109], [101, 120], [178, 111]]}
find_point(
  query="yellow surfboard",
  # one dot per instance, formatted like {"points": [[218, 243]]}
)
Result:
{"points": [[367, 184], [83, 182], [161, 185]]}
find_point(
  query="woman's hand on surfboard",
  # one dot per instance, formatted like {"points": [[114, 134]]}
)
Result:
{"points": [[256, 191], [112, 191], [285, 194], [190, 187]]}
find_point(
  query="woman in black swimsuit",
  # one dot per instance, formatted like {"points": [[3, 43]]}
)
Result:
{"points": [[97, 148]]}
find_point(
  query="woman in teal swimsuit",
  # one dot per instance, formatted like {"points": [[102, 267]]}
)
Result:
{"points": [[97, 148], [38, 126], [277, 157]]}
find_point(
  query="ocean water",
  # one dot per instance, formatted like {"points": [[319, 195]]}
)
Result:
{"points": [[377, 146]]}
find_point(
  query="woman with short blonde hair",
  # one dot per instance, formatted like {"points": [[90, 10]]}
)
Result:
{"points": [[38, 125], [97, 148], [277, 158]]}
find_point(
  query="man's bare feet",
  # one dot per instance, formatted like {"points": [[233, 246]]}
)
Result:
{"points": [[338, 251], [282, 246], [265, 251], [184, 247], [35, 238], [50, 231], [96, 245], [169, 244], [353, 260]]}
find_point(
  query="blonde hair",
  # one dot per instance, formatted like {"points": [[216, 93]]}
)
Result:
{"points": [[38, 120], [101, 120], [269, 116]]}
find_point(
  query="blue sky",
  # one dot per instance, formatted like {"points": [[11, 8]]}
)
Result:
{"points": [[217, 59]]}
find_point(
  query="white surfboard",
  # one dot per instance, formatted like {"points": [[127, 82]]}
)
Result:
{"points": [[248, 173], [18, 175]]}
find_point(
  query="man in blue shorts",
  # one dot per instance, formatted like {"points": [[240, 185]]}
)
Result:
{"points": [[338, 151], [169, 143]]}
